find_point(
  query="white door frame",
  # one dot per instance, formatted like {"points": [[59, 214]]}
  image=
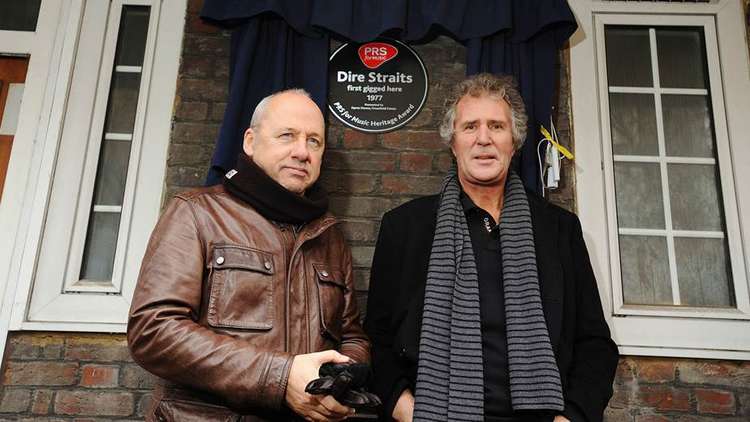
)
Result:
{"points": [[46, 76], [25, 201]]}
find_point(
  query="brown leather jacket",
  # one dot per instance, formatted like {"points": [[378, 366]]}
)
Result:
{"points": [[226, 298]]}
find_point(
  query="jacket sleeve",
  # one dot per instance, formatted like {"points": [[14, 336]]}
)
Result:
{"points": [[389, 376], [595, 355], [165, 339], [354, 342]]}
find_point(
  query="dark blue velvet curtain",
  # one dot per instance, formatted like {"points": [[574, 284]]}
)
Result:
{"points": [[279, 44], [529, 53]]}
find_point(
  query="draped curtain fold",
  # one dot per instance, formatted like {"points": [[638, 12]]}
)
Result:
{"points": [[529, 53], [278, 44]]}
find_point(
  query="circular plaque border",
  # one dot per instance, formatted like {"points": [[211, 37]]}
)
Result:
{"points": [[421, 104]]}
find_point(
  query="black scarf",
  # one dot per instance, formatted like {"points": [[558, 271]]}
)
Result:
{"points": [[251, 184]]}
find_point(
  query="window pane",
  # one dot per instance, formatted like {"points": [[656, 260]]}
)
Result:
{"points": [[628, 56], [694, 197], [633, 122], [645, 270], [688, 128], [122, 102], [101, 243], [112, 173], [639, 195], [19, 15], [114, 155], [704, 271], [684, 246], [682, 59], [131, 41]]}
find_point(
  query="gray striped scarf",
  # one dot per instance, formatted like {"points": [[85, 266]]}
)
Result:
{"points": [[450, 376]]}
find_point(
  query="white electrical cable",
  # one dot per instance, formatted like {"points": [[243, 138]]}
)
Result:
{"points": [[539, 159]]}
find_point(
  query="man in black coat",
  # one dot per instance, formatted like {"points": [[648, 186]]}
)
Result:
{"points": [[482, 303]]}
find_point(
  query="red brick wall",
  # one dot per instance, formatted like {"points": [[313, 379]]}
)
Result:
{"points": [[202, 88], [685, 390], [55, 376], [64, 376]]}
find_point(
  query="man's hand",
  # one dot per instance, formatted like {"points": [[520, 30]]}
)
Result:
{"points": [[404, 410], [313, 408], [561, 418]]}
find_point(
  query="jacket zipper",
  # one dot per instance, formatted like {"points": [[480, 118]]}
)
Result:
{"points": [[325, 225], [283, 229]]}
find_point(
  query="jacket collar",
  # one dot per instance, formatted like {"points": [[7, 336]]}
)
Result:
{"points": [[316, 227]]}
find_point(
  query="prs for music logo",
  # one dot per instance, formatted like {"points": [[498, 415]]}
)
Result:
{"points": [[374, 54]]}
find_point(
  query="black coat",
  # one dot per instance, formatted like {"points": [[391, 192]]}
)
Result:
{"points": [[586, 355]]}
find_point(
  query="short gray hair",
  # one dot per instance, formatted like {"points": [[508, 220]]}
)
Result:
{"points": [[501, 87], [260, 109]]}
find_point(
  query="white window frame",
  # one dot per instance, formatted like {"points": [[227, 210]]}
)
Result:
{"points": [[742, 310], [26, 200], [647, 330], [101, 92]]}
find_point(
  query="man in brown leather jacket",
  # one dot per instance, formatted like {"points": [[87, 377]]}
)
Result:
{"points": [[246, 287]]}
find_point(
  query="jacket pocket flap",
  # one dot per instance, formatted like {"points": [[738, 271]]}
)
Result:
{"points": [[238, 257], [330, 275]]}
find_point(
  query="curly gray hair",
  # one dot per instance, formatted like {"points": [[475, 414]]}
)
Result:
{"points": [[496, 87]]}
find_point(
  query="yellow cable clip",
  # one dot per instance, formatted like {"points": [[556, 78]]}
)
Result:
{"points": [[562, 149]]}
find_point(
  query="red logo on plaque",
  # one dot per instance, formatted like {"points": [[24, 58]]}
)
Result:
{"points": [[374, 54]]}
